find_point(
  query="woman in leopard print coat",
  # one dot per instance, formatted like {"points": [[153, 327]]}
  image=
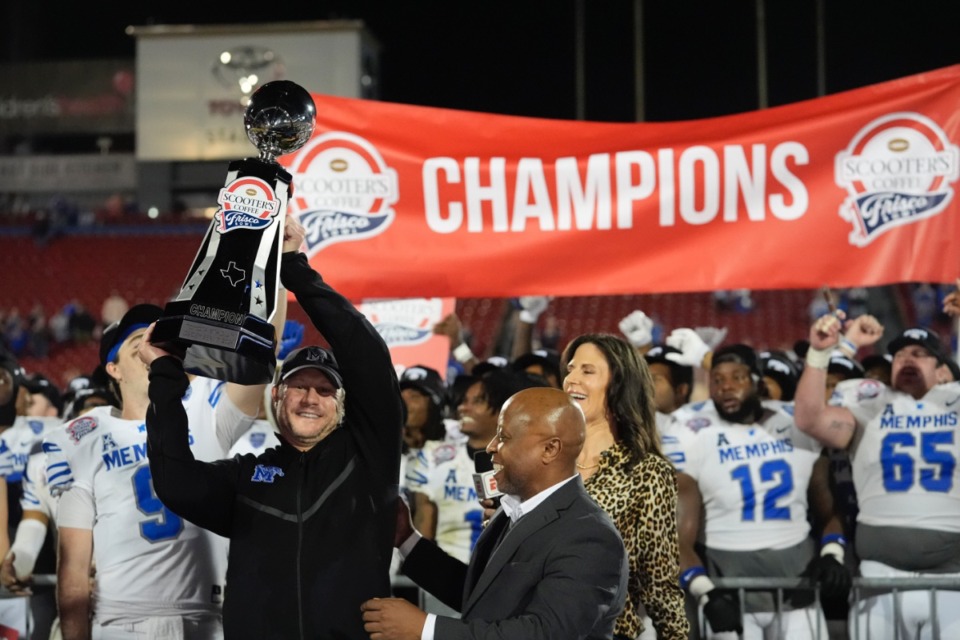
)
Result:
{"points": [[628, 476]]}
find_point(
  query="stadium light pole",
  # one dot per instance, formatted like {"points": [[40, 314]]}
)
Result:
{"points": [[763, 99], [580, 37], [821, 50], [639, 88]]}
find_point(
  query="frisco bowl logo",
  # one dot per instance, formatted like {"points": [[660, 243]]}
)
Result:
{"points": [[81, 427], [246, 203], [897, 170], [444, 453], [404, 322], [696, 424], [868, 389], [344, 190]]}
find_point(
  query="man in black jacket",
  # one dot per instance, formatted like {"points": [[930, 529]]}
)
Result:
{"points": [[311, 522]]}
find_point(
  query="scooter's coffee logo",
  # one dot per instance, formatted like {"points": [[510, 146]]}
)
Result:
{"points": [[344, 190], [897, 170]]}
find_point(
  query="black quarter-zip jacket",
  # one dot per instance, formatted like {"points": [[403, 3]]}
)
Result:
{"points": [[311, 533]]}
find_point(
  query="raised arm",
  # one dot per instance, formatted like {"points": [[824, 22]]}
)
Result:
{"points": [[247, 398], [200, 492], [831, 426], [451, 327], [531, 308], [373, 400]]}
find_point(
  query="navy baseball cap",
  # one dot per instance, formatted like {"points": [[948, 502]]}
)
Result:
{"points": [[40, 384], [137, 317], [737, 353], [658, 355], [679, 373], [841, 365], [781, 368], [921, 337], [312, 358], [490, 364], [425, 380], [9, 362]]}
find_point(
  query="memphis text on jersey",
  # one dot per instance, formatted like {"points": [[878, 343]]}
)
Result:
{"points": [[890, 420], [731, 453]]}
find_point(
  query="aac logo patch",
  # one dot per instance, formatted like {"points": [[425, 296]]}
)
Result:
{"points": [[263, 473]]}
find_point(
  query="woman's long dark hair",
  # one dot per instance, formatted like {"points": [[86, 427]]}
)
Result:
{"points": [[629, 393]]}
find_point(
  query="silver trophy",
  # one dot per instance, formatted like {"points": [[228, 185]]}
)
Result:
{"points": [[221, 316]]}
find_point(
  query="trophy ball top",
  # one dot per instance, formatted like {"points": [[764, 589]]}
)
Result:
{"points": [[280, 118]]}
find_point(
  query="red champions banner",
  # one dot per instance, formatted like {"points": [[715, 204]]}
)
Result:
{"points": [[858, 188]]}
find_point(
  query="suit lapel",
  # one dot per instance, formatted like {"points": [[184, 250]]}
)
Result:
{"points": [[484, 547], [546, 513]]}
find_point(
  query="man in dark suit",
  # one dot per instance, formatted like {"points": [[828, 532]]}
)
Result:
{"points": [[549, 565]]}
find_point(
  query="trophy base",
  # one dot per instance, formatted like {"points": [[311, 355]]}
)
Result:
{"points": [[244, 353]]}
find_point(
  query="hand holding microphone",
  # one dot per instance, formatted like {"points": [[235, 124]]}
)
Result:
{"points": [[483, 480]]}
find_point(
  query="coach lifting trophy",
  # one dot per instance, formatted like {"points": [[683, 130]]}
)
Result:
{"points": [[222, 313]]}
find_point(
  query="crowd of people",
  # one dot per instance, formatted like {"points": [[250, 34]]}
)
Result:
{"points": [[637, 472], [35, 334]]}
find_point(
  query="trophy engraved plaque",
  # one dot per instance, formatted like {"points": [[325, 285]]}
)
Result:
{"points": [[221, 316]]}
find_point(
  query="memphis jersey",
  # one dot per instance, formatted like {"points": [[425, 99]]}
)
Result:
{"points": [[675, 438], [149, 560], [753, 480], [215, 422], [17, 442], [36, 496], [904, 454], [444, 473], [257, 439], [702, 414]]}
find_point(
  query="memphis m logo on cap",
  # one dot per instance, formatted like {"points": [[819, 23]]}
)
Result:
{"points": [[415, 373], [315, 358]]}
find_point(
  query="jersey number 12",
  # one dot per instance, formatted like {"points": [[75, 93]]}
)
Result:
{"points": [[769, 471]]}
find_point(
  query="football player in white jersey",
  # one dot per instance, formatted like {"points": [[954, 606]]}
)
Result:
{"points": [[258, 438], [749, 468], [904, 446], [442, 472], [41, 415], [156, 574], [262, 434], [424, 395], [672, 383]]}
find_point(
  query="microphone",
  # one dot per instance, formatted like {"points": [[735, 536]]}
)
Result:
{"points": [[483, 480]]}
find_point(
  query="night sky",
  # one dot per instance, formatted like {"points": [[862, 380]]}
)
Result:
{"points": [[518, 57]]}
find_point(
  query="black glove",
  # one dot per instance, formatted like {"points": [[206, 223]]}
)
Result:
{"points": [[834, 578], [723, 611]]}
